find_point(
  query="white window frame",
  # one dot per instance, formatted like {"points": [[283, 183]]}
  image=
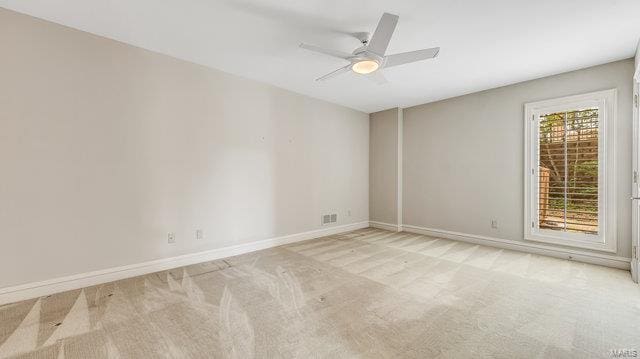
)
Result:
{"points": [[605, 240]]}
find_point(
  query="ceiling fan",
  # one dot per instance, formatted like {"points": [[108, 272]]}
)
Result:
{"points": [[371, 57]]}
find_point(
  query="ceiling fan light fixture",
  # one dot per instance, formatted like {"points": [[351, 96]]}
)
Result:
{"points": [[365, 66], [372, 55]]}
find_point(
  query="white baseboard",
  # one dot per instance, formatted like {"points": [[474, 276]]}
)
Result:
{"points": [[386, 226], [56, 285], [571, 254]]}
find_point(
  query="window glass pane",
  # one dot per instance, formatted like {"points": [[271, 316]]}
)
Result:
{"points": [[568, 171]]}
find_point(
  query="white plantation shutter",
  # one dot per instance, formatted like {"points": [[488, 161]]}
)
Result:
{"points": [[568, 171]]}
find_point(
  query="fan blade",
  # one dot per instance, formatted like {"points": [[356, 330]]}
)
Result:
{"points": [[334, 53], [378, 78], [334, 73], [381, 37], [411, 56]]}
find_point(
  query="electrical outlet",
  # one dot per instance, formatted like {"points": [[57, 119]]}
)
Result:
{"points": [[199, 234], [171, 237], [494, 223]]}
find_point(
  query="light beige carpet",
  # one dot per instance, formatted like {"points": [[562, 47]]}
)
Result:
{"points": [[368, 293]]}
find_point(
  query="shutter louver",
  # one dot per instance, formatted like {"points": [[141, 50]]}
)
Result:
{"points": [[568, 171]]}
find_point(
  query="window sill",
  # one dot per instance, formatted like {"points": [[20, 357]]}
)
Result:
{"points": [[606, 246]]}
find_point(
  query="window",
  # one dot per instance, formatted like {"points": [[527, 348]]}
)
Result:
{"points": [[569, 171]]}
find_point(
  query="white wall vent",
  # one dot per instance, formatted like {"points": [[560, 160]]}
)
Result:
{"points": [[329, 218]]}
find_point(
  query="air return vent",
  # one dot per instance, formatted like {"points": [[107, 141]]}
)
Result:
{"points": [[329, 218]]}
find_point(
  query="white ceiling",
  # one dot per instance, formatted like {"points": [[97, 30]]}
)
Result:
{"points": [[484, 44]]}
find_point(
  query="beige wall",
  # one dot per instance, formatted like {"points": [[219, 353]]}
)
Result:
{"points": [[463, 157], [104, 148], [383, 166]]}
